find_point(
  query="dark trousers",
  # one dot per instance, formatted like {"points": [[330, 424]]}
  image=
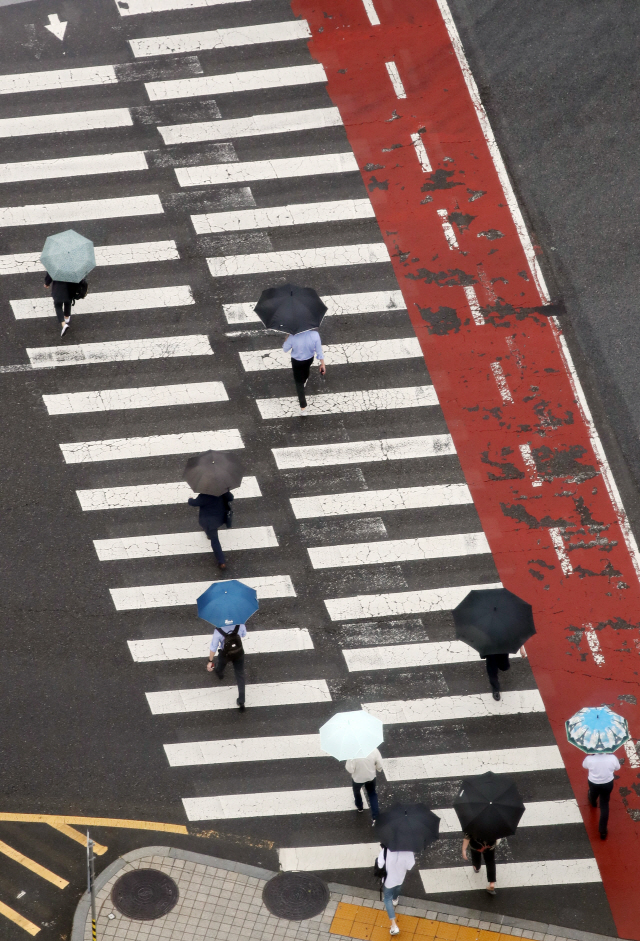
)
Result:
{"points": [[495, 662], [301, 369], [215, 545], [489, 861], [238, 669], [370, 787], [60, 313], [602, 791]]}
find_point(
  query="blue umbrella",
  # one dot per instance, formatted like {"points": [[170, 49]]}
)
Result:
{"points": [[351, 735], [597, 730], [68, 256], [227, 603]]}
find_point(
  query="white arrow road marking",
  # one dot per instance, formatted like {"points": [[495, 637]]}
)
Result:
{"points": [[56, 26]]}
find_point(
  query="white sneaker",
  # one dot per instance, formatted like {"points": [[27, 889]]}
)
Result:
{"points": [[303, 411], [395, 930], [65, 327], [395, 902]]}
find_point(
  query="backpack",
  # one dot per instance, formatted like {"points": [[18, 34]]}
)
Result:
{"points": [[232, 647], [380, 872], [78, 291]]}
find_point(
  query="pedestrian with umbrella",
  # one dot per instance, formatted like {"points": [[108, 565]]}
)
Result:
{"points": [[495, 622], [68, 258], [354, 737], [599, 731], [403, 830], [297, 312], [228, 605], [489, 807], [211, 475]]}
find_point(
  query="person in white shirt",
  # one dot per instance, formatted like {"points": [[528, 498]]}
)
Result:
{"points": [[217, 647], [601, 769], [363, 771], [303, 348], [397, 865]]}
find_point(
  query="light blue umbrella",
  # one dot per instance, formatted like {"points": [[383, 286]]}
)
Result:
{"points": [[351, 735], [226, 603], [68, 256], [597, 730]]}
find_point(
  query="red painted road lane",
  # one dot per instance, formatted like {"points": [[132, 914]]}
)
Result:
{"points": [[550, 514]]}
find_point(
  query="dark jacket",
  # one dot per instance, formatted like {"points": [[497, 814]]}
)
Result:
{"points": [[213, 510], [60, 290]]}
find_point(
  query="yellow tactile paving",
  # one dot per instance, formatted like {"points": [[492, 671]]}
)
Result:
{"points": [[371, 924]]}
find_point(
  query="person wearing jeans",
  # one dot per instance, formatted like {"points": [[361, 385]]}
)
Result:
{"points": [[601, 768], [303, 348], [397, 865], [363, 772], [480, 850]]}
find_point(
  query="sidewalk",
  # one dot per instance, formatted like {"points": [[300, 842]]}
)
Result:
{"points": [[222, 901]]}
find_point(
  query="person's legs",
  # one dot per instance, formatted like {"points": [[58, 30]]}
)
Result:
{"points": [[220, 665], [215, 545], [57, 305], [389, 894], [605, 794], [490, 863], [476, 859], [492, 673], [301, 369], [357, 795], [593, 794], [370, 787], [503, 661], [238, 669]]}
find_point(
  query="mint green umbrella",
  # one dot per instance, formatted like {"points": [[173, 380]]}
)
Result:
{"points": [[351, 735], [68, 256]]}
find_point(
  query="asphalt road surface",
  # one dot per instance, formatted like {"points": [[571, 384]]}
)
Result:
{"points": [[99, 547]]}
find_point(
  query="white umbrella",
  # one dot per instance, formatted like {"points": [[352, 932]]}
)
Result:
{"points": [[351, 735]]}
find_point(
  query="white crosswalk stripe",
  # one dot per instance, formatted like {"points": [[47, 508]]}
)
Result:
{"points": [[363, 452], [295, 214], [183, 593], [445, 708], [104, 302], [119, 351], [125, 498], [512, 875], [460, 764], [287, 122], [72, 166], [82, 210], [57, 79], [269, 804], [338, 354], [122, 449], [106, 400], [136, 7], [341, 402], [263, 748], [329, 257], [397, 603], [278, 169], [396, 656], [153, 547], [291, 693], [398, 550], [379, 501], [339, 305], [137, 253], [288, 31], [236, 82], [276, 640], [62, 123]]}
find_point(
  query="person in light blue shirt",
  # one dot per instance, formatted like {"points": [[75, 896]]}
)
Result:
{"points": [[304, 347]]}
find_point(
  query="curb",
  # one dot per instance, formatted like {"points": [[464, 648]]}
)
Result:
{"points": [[430, 909]]}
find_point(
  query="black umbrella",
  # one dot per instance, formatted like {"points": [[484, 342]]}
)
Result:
{"points": [[407, 827], [213, 472], [488, 807], [290, 308], [494, 620]]}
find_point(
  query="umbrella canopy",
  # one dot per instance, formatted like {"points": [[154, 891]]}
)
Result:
{"points": [[597, 730], [351, 735], [213, 472], [68, 256], [493, 620], [407, 827], [488, 806], [227, 603], [290, 309]]}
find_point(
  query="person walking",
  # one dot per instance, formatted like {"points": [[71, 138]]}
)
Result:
{"points": [[600, 777], [480, 851], [304, 347], [495, 662], [397, 864], [214, 512], [61, 294], [363, 771], [228, 647]]}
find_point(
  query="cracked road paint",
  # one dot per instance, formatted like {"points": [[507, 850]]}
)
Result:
{"points": [[553, 515]]}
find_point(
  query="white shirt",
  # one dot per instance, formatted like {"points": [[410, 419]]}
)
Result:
{"points": [[364, 769], [398, 865], [217, 639], [601, 768]]}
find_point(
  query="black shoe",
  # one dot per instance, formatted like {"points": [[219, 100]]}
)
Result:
{"points": [[222, 565], [491, 891], [496, 696], [603, 836], [219, 675], [240, 705]]}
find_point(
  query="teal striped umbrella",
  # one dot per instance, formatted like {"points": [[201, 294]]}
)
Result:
{"points": [[597, 730], [68, 256]]}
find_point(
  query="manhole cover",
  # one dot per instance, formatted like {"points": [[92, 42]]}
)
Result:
{"points": [[144, 894], [295, 895]]}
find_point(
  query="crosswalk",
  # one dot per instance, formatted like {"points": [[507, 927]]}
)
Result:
{"points": [[354, 526]]}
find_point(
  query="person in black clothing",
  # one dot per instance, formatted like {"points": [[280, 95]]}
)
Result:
{"points": [[61, 294], [478, 851], [495, 662], [214, 512]]}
